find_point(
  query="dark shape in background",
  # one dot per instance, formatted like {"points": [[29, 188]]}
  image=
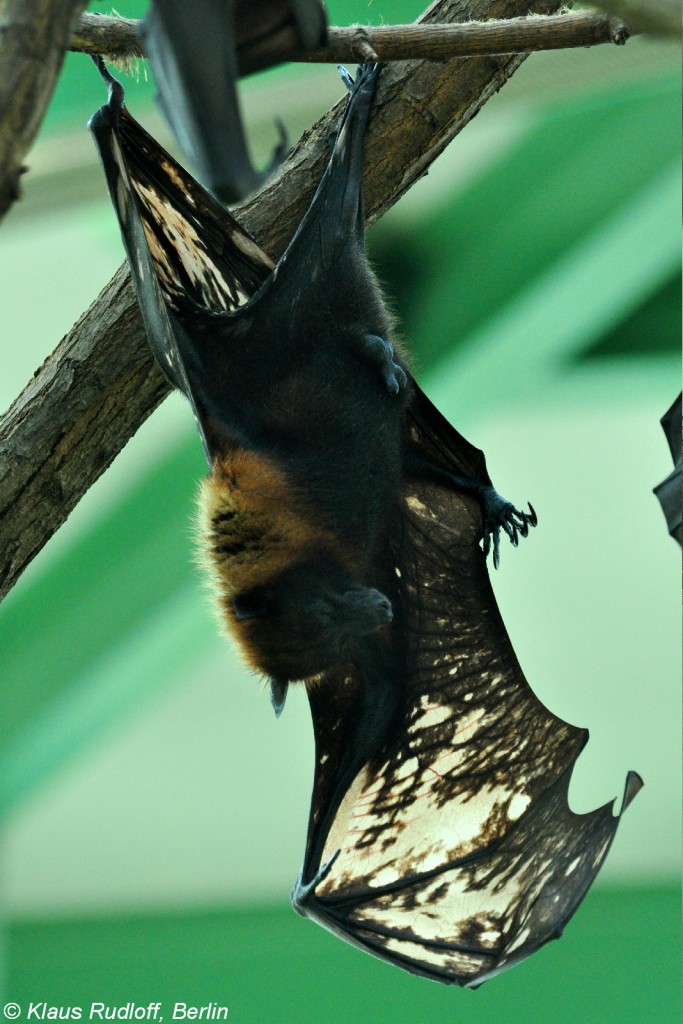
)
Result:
{"points": [[197, 52], [670, 491]]}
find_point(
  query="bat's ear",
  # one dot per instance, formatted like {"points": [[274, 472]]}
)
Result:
{"points": [[250, 605], [278, 694]]}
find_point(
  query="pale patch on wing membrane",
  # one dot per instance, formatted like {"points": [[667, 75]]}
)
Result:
{"points": [[444, 961], [177, 179], [391, 828], [455, 924], [418, 506], [445, 910], [213, 289], [451, 928], [519, 940]]}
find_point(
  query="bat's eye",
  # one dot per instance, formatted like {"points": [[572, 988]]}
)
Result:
{"points": [[251, 605]]}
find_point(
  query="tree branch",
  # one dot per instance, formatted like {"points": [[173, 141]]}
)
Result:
{"points": [[33, 40], [120, 38], [101, 383], [440, 42]]}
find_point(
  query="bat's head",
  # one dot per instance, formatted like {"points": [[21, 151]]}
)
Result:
{"points": [[311, 617], [288, 589]]}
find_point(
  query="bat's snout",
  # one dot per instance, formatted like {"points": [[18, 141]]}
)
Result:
{"points": [[366, 610]]}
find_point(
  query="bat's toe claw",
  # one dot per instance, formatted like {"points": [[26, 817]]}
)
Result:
{"points": [[391, 379], [394, 378], [379, 352], [346, 77], [510, 528], [524, 520]]}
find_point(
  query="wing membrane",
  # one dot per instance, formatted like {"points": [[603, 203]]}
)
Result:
{"points": [[200, 252], [189, 258], [453, 849]]}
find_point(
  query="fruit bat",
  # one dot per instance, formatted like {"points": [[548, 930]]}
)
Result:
{"points": [[197, 51], [669, 490], [347, 524]]}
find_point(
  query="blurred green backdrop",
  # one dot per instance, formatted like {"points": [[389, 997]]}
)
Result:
{"points": [[153, 812]]}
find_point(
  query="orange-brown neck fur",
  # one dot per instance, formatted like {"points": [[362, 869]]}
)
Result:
{"points": [[252, 528]]}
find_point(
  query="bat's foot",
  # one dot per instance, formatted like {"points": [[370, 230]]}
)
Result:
{"points": [[114, 86], [365, 73], [379, 352], [346, 77], [301, 893], [500, 514]]}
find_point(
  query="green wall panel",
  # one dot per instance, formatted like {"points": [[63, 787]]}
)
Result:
{"points": [[577, 167], [618, 961], [111, 580], [654, 328]]}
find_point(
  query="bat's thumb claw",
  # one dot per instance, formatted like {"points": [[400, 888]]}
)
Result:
{"points": [[303, 891]]}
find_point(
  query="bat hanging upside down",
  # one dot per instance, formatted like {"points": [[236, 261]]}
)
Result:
{"points": [[346, 526], [197, 52]]}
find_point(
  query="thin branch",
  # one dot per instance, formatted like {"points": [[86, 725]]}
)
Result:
{"points": [[33, 40], [440, 42], [101, 383], [113, 37], [120, 38]]}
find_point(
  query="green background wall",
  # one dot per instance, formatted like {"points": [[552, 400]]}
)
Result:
{"points": [[618, 961], [153, 813]]}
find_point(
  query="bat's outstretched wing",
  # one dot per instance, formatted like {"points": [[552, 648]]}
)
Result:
{"points": [[442, 840], [198, 50]]}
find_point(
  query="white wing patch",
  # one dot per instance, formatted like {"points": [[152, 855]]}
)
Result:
{"points": [[183, 246], [395, 825]]}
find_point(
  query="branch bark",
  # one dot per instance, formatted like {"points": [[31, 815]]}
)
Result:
{"points": [[101, 383], [33, 39], [440, 42], [120, 38]]}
